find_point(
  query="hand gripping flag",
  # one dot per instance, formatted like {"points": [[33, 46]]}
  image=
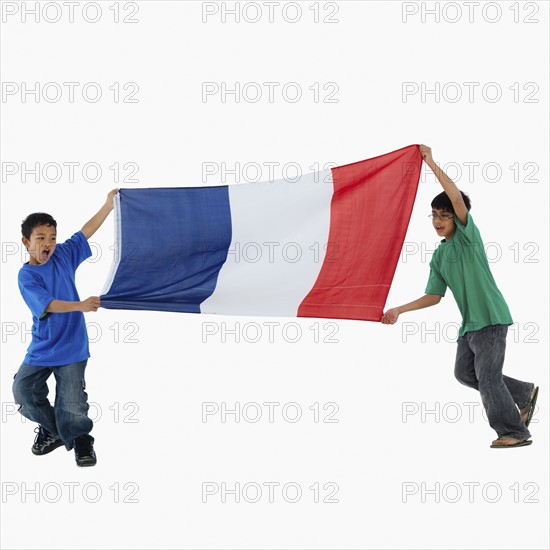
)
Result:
{"points": [[324, 245]]}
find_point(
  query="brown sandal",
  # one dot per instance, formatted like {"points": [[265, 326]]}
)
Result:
{"points": [[528, 412], [516, 443]]}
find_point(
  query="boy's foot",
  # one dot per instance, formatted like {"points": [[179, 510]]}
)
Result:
{"points": [[528, 411], [84, 451], [506, 442], [45, 442]]}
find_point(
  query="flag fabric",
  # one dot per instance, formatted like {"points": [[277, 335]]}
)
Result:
{"points": [[326, 245]]}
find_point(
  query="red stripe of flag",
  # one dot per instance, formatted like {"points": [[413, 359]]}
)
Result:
{"points": [[370, 212]]}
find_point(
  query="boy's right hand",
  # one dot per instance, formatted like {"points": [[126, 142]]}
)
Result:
{"points": [[426, 153], [390, 316], [90, 304]]}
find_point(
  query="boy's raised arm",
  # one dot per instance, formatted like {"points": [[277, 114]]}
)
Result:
{"points": [[93, 224], [448, 185]]}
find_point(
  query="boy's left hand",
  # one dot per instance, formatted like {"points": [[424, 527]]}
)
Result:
{"points": [[110, 196], [94, 223]]}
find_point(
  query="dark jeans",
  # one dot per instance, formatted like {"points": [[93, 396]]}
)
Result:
{"points": [[479, 362], [69, 417]]}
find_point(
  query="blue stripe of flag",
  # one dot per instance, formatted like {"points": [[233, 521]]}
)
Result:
{"points": [[186, 233]]}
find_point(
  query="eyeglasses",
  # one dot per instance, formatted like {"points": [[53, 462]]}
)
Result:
{"points": [[441, 216]]}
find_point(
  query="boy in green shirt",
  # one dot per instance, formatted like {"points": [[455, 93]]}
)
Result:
{"points": [[460, 263]]}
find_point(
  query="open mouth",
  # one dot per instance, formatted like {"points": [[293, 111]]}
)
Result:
{"points": [[45, 255]]}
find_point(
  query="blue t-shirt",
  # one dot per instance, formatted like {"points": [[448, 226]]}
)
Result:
{"points": [[57, 338]]}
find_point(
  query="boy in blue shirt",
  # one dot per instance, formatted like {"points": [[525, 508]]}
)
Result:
{"points": [[59, 338], [460, 263]]}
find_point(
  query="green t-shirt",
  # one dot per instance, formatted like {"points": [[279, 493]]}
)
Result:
{"points": [[461, 264]]}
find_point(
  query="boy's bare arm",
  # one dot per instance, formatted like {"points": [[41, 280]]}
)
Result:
{"points": [[448, 185], [391, 316], [61, 306], [92, 225]]}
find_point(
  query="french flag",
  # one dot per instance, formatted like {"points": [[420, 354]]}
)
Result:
{"points": [[326, 245]]}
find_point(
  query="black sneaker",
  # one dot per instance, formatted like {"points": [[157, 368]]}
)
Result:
{"points": [[45, 442], [84, 451]]}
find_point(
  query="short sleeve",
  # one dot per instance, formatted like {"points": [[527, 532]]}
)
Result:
{"points": [[34, 294], [436, 283], [75, 250], [469, 231]]}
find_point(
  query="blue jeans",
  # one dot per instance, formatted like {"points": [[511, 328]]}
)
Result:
{"points": [[479, 363], [68, 419]]}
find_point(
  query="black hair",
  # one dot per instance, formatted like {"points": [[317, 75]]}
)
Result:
{"points": [[34, 220], [443, 202]]}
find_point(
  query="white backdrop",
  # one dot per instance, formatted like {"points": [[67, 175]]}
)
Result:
{"points": [[345, 434]]}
